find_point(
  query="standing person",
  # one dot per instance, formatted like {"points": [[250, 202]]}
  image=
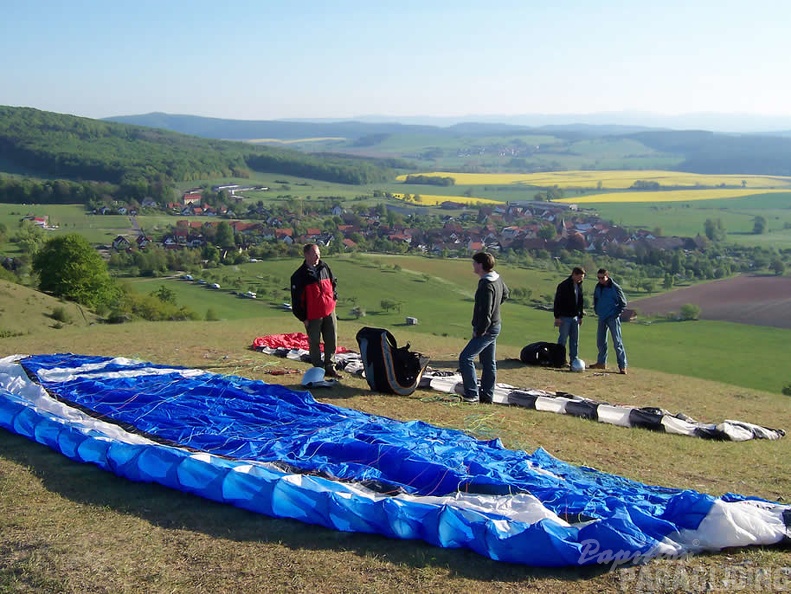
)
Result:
{"points": [[486, 324], [568, 310], [608, 303], [313, 298]]}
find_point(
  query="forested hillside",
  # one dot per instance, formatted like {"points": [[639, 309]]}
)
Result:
{"points": [[141, 159], [712, 153]]}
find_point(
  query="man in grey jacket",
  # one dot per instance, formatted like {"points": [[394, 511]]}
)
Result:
{"points": [[609, 302], [486, 325]]}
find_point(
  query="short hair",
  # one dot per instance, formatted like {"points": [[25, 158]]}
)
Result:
{"points": [[578, 270], [485, 259], [603, 271], [307, 247]]}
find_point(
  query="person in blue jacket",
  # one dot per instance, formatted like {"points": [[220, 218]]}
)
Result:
{"points": [[609, 302]]}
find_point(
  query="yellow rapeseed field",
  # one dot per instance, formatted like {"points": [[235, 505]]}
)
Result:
{"points": [[431, 200], [667, 196], [613, 180]]}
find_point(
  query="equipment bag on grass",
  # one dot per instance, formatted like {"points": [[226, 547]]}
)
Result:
{"points": [[547, 354], [388, 367]]}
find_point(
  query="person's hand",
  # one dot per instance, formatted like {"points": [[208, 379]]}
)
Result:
{"points": [[579, 322], [557, 322], [306, 324]]}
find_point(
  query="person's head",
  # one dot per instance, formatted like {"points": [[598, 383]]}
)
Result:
{"points": [[602, 276], [578, 274], [312, 254], [483, 262]]}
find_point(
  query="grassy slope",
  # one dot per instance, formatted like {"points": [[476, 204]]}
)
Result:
{"points": [[91, 531]]}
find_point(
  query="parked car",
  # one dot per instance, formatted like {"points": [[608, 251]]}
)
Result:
{"points": [[250, 295], [214, 286], [187, 277], [286, 306]]}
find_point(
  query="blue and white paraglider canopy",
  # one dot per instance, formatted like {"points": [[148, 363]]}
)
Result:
{"points": [[279, 452]]}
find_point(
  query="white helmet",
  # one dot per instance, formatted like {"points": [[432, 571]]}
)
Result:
{"points": [[578, 365], [313, 376]]}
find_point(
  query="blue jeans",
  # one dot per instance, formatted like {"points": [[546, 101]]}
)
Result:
{"points": [[612, 324], [485, 347], [570, 330]]}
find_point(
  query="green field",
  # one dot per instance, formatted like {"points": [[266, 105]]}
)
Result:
{"points": [[687, 219], [68, 218]]}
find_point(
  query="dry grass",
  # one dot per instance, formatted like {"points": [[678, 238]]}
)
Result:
{"points": [[66, 527]]}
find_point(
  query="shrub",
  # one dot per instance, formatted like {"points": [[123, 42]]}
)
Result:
{"points": [[787, 390], [689, 311], [60, 314]]}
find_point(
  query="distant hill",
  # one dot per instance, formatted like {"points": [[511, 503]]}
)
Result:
{"points": [[253, 129], [697, 151], [150, 153], [350, 130], [742, 123]]}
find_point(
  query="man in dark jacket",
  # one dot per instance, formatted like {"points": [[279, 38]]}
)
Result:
{"points": [[568, 311], [491, 292], [609, 302], [313, 298]]}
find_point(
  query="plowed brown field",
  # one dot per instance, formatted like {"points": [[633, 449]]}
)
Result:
{"points": [[757, 300]]}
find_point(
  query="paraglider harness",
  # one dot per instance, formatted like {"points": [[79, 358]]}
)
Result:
{"points": [[546, 354], [388, 367]]}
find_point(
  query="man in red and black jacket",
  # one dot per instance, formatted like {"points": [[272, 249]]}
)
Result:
{"points": [[313, 297]]}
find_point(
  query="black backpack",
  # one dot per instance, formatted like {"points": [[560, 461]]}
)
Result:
{"points": [[388, 367], [546, 354]]}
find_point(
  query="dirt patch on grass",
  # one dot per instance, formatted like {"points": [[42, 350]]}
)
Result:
{"points": [[756, 300]]}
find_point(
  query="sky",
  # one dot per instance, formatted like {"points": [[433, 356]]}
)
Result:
{"points": [[286, 59]]}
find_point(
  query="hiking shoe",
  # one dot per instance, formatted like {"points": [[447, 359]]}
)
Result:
{"points": [[470, 399], [622, 371], [598, 366], [330, 372]]}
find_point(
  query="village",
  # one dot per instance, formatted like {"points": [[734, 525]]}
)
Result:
{"points": [[519, 226]]}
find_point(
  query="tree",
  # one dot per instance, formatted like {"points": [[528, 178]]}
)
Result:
{"points": [[165, 295], [388, 304], [547, 231], [759, 225], [714, 229], [29, 238], [778, 266], [647, 285], [70, 268], [224, 237]]}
